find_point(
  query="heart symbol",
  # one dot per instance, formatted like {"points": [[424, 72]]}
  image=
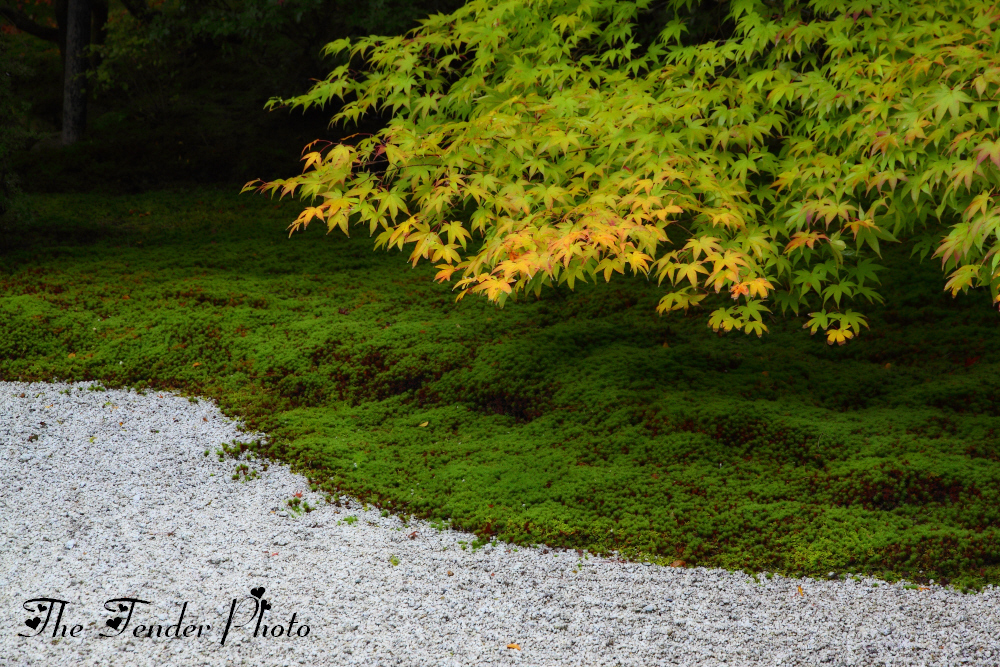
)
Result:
{"points": [[42, 607], [264, 606], [257, 592], [114, 622], [122, 607], [33, 622]]}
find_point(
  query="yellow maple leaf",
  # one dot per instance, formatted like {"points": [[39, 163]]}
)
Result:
{"points": [[838, 336]]}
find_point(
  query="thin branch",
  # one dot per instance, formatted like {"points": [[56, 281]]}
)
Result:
{"points": [[23, 23]]}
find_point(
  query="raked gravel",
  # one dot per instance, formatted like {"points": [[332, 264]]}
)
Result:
{"points": [[114, 498]]}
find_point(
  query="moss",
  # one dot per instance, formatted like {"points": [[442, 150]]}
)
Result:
{"points": [[581, 419]]}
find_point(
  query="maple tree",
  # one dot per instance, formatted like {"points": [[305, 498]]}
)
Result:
{"points": [[539, 142]]}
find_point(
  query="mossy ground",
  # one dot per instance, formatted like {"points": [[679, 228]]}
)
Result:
{"points": [[580, 419]]}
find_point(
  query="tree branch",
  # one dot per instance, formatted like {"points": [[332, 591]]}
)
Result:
{"points": [[25, 24]]}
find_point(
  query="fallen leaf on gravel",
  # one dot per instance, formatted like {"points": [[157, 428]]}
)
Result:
{"points": [[514, 646], [450, 573], [800, 591]]}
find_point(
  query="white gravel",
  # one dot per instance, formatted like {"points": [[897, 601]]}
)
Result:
{"points": [[115, 499]]}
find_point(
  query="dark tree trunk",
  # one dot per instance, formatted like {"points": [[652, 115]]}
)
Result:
{"points": [[78, 18]]}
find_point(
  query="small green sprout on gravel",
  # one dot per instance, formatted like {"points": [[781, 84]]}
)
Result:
{"points": [[351, 520], [246, 472], [479, 543], [440, 525], [393, 561]]}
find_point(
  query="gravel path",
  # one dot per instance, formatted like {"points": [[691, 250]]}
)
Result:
{"points": [[108, 495]]}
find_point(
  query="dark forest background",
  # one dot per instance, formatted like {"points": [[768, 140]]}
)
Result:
{"points": [[176, 90]]}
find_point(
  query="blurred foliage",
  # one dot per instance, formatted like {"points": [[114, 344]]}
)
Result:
{"points": [[136, 65], [14, 133], [179, 99], [280, 39]]}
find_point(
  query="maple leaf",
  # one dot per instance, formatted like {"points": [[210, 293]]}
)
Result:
{"points": [[988, 149], [838, 336], [801, 239], [690, 272], [817, 320], [738, 290], [948, 100], [704, 244]]}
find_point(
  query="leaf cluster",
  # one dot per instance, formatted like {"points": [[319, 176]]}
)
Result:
{"points": [[769, 163]]}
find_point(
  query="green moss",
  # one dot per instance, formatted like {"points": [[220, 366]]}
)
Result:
{"points": [[581, 419]]}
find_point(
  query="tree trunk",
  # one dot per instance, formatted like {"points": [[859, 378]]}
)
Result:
{"points": [[78, 17]]}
